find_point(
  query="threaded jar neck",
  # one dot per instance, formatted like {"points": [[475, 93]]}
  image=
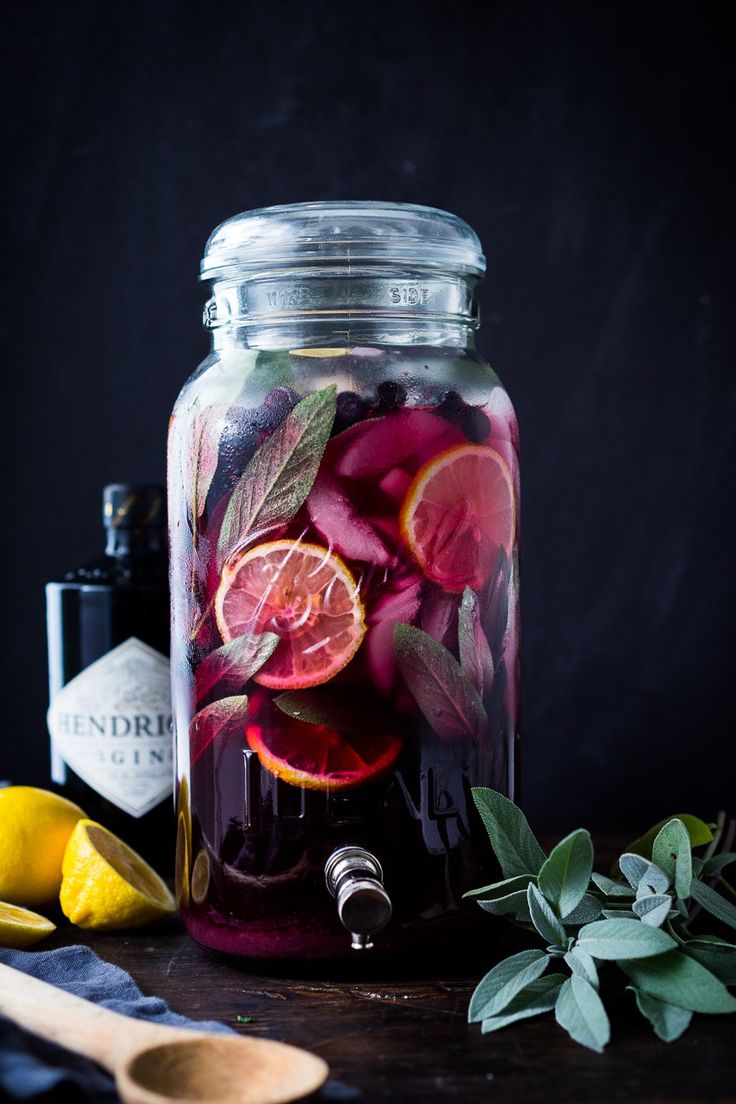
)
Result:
{"points": [[374, 272]]}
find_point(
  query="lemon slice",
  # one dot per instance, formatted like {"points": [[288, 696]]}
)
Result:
{"points": [[107, 885], [200, 877], [20, 927], [181, 863]]}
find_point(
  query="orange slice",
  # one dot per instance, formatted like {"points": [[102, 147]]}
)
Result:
{"points": [[457, 512], [318, 757], [306, 595]]}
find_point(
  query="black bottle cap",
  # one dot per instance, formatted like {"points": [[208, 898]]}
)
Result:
{"points": [[133, 506]]}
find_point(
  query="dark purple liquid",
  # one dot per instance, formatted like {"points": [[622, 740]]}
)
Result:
{"points": [[258, 843]]}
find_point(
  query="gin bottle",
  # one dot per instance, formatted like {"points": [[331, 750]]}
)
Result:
{"points": [[110, 704]]}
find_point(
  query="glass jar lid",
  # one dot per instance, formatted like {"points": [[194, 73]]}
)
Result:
{"points": [[342, 233]]}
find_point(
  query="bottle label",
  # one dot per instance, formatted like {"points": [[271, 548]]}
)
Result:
{"points": [[112, 725]]}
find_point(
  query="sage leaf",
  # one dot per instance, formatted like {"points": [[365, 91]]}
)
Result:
{"points": [[697, 830], [653, 909], [216, 721], [580, 1011], [637, 870], [610, 887], [586, 910], [565, 875], [678, 979], [512, 840], [671, 853], [339, 707], [623, 939], [716, 863], [539, 996], [279, 476], [618, 914], [500, 889], [475, 652], [201, 458], [715, 955], [713, 902], [583, 964], [669, 1021], [514, 904], [438, 684], [504, 981], [227, 669], [543, 917]]}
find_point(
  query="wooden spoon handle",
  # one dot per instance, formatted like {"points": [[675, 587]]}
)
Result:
{"points": [[106, 1037]]}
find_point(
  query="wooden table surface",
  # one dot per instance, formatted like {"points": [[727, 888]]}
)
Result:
{"points": [[399, 1032]]}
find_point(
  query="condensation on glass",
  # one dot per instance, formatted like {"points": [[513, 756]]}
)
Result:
{"points": [[344, 515]]}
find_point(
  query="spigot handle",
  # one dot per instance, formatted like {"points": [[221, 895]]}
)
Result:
{"points": [[355, 879]]}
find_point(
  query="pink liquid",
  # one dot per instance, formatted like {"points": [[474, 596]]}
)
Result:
{"points": [[270, 796]]}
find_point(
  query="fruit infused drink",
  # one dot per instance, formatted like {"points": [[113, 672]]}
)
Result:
{"points": [[344, 523]]}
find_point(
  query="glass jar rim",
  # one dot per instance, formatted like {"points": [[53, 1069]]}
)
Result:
{"points": [[299, 235]]}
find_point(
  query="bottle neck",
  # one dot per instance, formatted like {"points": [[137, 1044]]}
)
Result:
{"points": [[134, 542], [343, 306]]}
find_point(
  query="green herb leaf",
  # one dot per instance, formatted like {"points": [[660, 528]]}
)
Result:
{"points": [[623, 939], [543, 917], [279, 476], [504, 981], [244, 1019], [716, 863], [580, 1011], [565, 875], [438, 684], [668, 1021], [697, 830], [228, 668], [618, 914], [539, 996], [671, 852], [514, 904], [340, 707], [217, 721], [475, 652], [610, 887], [715, 955], [498, 890], [680, 980], [715, 904], [653, 909], [200, 461], [512, 840], [582, 964], [587, 910], [638, 871]]}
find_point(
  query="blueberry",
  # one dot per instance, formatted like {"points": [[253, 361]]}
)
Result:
{"points": [[277, 404], [452, 406], [475, 425], [390, 395], [350, 409]]}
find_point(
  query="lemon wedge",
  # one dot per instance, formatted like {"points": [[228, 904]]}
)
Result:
{"points": [[20, 927], [106, 885], [35, 826]]}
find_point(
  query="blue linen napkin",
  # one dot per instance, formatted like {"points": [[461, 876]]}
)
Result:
{"points": [[33, 1069]]}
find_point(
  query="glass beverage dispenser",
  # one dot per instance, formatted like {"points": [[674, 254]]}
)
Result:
{"points": [[344, 515]]}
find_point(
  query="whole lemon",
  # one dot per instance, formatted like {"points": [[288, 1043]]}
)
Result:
{"points": [[35, 826]]}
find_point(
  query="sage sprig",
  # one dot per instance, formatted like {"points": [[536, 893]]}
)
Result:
{"points": [[638, 919]]}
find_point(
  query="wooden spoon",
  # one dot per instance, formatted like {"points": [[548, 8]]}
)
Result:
{"points": [[154, 1064]]}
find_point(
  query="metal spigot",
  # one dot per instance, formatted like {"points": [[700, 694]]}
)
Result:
{"points": [[355, 879]]}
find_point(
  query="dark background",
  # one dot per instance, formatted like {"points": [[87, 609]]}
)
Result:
{"points": [[588, 146]]}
